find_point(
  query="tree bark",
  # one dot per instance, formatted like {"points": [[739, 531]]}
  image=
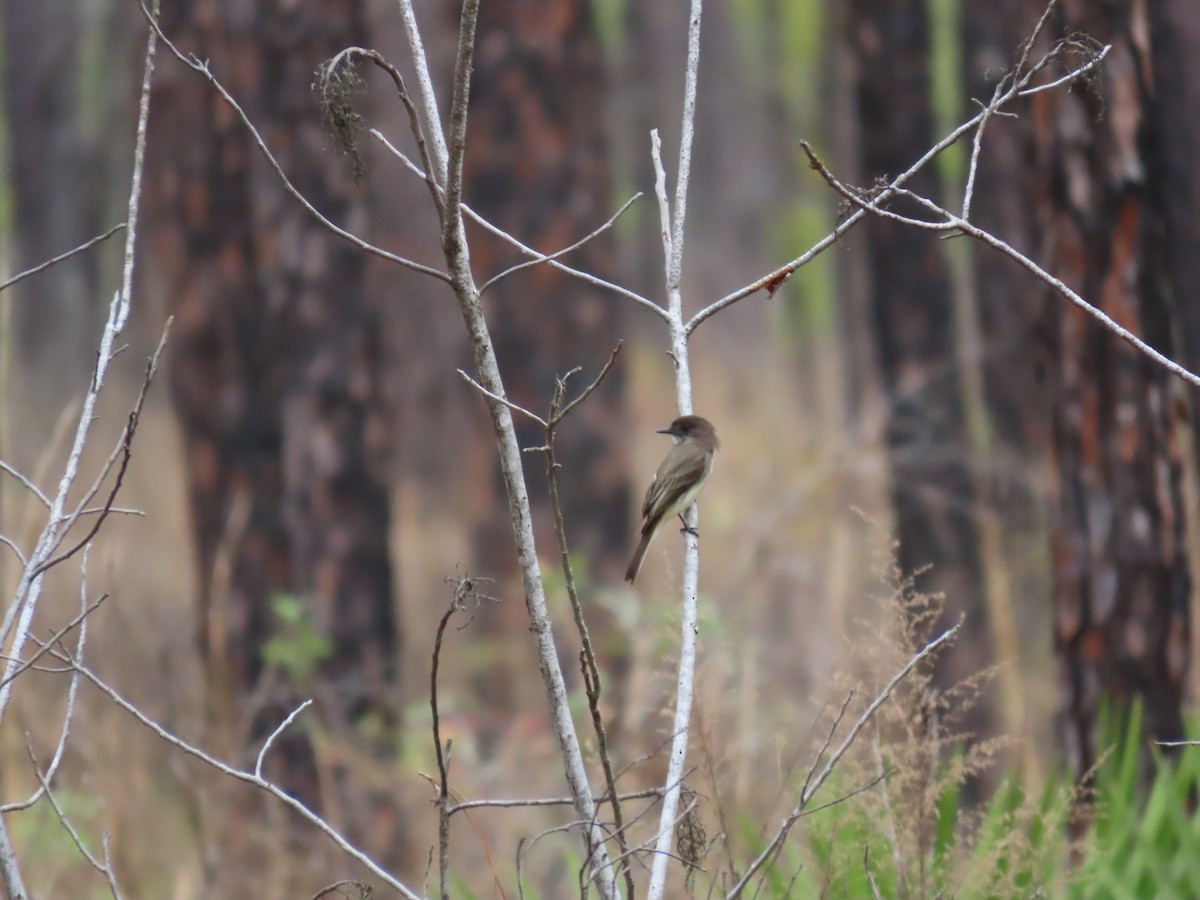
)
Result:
{"points": [[913, 312], [1122, 588], [275, 370]]}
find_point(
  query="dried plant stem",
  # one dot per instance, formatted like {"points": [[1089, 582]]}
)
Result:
{"points": [[587, 655]]}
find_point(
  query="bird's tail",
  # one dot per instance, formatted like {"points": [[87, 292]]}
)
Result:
{"points": [[635, 564]]}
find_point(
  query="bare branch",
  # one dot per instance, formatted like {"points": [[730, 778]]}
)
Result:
{"points": [[62, 257], [26, 483], [587, 655], [414, 118], [504, 400], [528, 251], [1019, 87], [464, 587], [247, 777], [452, 229], [521, 803], [125, 449], [65, 730], [12, 545], [266, 747], [104, 868], [953, 223], [202, 68], [587, 392], [565, 250], [48, 645]]}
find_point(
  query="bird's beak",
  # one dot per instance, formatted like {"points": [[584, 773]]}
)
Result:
{"points": [[665, 431]]}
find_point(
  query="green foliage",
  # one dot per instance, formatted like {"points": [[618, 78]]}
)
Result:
{"points": [[1144, 838], [297, 647]]}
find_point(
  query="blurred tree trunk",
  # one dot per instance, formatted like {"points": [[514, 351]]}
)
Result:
{"points": [[536, 166], [1121, 579], [54, 184], [913, 311], [1172, 146], [274, 374], [1011, 427]]}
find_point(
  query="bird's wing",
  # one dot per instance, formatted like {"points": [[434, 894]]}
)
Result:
{"points": [[682, 468]]}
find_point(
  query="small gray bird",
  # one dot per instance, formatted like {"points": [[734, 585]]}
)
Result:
{"points": [[678, 480]]}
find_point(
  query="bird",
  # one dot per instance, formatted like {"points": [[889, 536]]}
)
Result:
{"points": [[678, 481]]}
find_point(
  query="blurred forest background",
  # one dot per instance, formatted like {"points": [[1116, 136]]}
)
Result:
{"points": [[312, 469]]}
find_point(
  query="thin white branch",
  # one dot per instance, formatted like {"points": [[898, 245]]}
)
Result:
{"points": [[776, 277], [528, 251], [62, 257], [1071, 76], [673, 232], [25, 600], [104, 868], [565, 250], [26, 482], [266, 747], [12, 545], [498, 399], [433, 120], [953, 223]]}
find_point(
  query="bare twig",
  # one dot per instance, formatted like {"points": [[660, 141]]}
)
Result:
{"points": [[471, 214], [266, 747], [62, 257], [870, 875], [447, 158], [65, 730], [414, 117], [52, 642], [125, 450], [19, 615], [463, 588], [1019, 87], [952, 223], [559, 410], [364, 889], [105, 867], [496, 398], [12, 545], [26, 482], [240, 775], [521, 803], [565, 250]]}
